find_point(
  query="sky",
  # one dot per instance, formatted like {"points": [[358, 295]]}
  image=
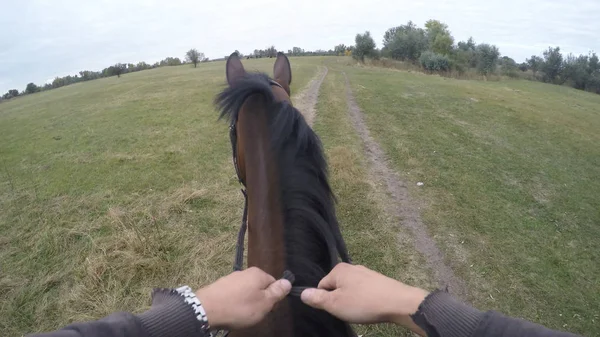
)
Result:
{"points": [[40, 40]]}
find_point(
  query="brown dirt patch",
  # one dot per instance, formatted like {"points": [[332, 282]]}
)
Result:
{"points": [[306, 100]]}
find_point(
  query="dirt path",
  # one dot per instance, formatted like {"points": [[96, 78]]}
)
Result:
{"points": [[399, 205], [306, 100]]}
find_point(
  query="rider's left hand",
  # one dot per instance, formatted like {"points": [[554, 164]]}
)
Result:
{"points": [[242, 299]]}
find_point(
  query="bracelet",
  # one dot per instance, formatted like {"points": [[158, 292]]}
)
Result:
{"points": [[190, 298]]}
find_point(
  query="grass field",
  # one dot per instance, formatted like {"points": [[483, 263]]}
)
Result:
{"points": [[511, 179], [115, 186]]}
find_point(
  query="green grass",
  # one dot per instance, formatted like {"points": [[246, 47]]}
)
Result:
{"points": [[112, 187], [373, 237], [511, 185]]}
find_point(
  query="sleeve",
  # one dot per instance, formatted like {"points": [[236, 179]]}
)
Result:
{"points": [[440, 315], [169, 316]]}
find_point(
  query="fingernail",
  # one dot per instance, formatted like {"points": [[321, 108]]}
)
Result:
{"points": [[307, 294], [285, 285]]}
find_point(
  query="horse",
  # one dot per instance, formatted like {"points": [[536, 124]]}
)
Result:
{"points": [[292, 225]]}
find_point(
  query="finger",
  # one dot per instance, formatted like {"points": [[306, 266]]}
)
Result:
{"points": [[277, 290], [317, 298], [261, 277], [329, 282]]}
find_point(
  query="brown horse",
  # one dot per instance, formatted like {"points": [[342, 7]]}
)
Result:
{"points": [[290, 206]]}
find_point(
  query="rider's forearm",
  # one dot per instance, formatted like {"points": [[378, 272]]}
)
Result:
{"points": [[169, 316], [440, 315]]}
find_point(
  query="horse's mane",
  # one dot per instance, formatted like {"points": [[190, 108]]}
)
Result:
{"points": [[312, 236]]}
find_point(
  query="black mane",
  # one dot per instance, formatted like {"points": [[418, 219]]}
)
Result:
{"points": [[312, 236]]}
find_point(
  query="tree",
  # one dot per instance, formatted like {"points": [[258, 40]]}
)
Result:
{"points": [[552, 65], [508, 66], [297, 51], [440, 39], [535, 63], [194, 56], [431, 61], [405, 42], [340, 49], [575, 71], [365, 46], [594, 65], [487, 58], [466, 46], [142, 66], [11, 93], [171, 61], [524, 67], [464, 55], [31, 88], [118, 69], [271, 52]]}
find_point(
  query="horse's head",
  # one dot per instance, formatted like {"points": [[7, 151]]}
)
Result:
{"points": [[282, 72], [280, 89], [291, 217]]}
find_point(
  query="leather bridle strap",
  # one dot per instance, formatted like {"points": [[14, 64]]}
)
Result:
{"points": [[238, 263]]}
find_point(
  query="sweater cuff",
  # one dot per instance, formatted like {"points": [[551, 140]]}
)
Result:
{"points": [[170, 316], [440, 315]]}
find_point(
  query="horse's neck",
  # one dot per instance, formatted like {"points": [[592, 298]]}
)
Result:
{"points": [[266, 248]]}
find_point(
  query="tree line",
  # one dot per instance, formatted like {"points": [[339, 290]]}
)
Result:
{"points": [[192, 56], [433, 49], [271, 51]]}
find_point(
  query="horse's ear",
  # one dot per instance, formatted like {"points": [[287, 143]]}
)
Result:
{"points": [[234, 69], [282, 71]]}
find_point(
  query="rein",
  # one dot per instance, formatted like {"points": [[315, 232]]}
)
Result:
{"points": [[238, 263]]}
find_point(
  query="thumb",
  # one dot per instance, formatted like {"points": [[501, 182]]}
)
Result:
{"points": [[316, 298], [277, 290]]}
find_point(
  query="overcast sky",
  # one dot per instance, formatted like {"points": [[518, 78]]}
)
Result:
{"points": [[43, 39]]}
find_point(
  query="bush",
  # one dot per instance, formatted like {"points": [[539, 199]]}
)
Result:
{"points": [[32, 88], [574, 71], [487, 58], [365, 46], [508, 67], [593, 84], [431, 61], [524, 67], [405, 42], [552, 65]]}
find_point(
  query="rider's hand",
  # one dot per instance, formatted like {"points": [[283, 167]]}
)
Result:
{"points": [[241, 299], [359, 295]]}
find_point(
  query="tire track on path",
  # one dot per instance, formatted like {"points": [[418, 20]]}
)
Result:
{"points": [[399, 204], [306, 100]]}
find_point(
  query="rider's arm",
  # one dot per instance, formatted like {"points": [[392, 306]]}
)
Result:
{"points": [[442, 315], [169, 316], [359, 295], [238, 300]]}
